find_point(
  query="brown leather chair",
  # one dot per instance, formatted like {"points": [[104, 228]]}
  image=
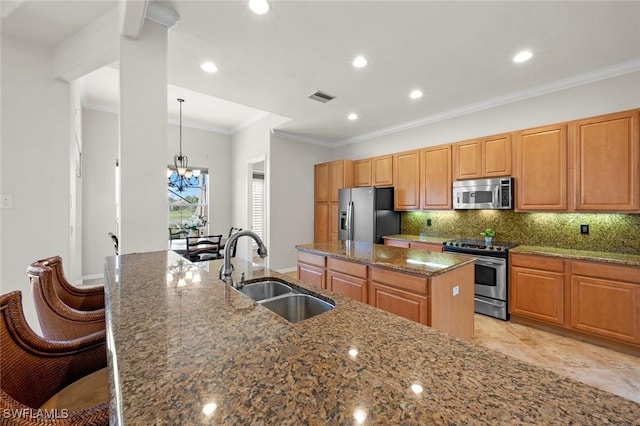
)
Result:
{"points": [[82, 299], [67, 379], [58, 320]]}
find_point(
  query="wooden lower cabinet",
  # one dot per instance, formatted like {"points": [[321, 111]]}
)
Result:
{"points": [[311, 269], [396, 243], [536, 288], [605, 300], [401, 294], [426, 246], [347, 278]]}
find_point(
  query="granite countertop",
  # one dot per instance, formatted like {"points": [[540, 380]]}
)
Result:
{"points": [[419, 238], [205, 354], [597, 256], [398, 258]]}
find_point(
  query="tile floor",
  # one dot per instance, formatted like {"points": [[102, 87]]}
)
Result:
{"points": [[599, 367]]}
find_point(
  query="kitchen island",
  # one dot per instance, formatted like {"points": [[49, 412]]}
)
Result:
{"points": [[203, 353]]}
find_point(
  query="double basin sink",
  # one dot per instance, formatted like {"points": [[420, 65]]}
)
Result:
{"points": [[284, 300]]}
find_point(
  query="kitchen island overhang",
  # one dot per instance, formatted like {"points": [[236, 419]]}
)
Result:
{"points": [[206, 354]]}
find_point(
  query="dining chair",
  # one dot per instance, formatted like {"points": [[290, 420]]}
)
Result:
{"points": [[82, 299], [66, 377], [58, 320], [234, 230], [204, 248], [177, 234]]}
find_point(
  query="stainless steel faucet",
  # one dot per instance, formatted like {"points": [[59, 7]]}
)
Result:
{"points": [[227, 267]]}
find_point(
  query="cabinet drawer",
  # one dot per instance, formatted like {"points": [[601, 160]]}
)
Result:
{"points": [[351, 268], [607, 271], [426, 246], [537, 262], [412, 283], [396, 243], [312, 259]]}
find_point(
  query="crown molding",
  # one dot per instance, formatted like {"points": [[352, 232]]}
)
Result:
{"points": [[162, 15], [543, 89], [250, 121], [304, 139]]}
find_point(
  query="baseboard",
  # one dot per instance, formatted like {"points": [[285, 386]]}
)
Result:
{"points": [[86, 280], [287, 270]]}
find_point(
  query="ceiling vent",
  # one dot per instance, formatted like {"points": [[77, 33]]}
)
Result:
{"points": [[321, 97]]}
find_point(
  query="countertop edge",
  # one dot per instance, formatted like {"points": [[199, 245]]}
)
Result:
{"points": [[595, 256]]}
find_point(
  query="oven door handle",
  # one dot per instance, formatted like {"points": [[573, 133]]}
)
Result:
{"points": [[490, 261], [496, 304]]}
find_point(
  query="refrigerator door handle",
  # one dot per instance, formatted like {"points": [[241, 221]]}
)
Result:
{"points": [[349, 221]]}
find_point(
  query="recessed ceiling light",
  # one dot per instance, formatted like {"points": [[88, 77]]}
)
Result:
{"points": [[360, 62], [209, 67], [416, 94], [523, 56], [352, 116], [259, 7]]}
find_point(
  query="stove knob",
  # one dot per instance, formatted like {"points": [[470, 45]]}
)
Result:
{"points": [[498, 248], [457, 244], [491, 247]]}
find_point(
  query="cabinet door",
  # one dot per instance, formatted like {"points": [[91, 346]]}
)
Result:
{"points": [[541, 169], [362, 172], [320, 223], [467, 159], [333, 221], [383, 170], [406, 167], [435, 178], [411, 306], [340, 176], [321, 182], [311, 274], [607, 150], [426, 246], [496, 156], [536, 288], [347, 285], [396, 243]]}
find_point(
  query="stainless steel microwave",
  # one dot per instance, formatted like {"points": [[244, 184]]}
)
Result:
{"points": [[492, 194]]}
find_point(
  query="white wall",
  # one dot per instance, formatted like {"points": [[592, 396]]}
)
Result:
{"points": [[34, 165], [616, 94], [291, 190], [100, 133], [248, 145]]}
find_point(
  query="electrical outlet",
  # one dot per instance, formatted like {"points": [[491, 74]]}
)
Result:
{"points": [[456, 290], [428, 222], [584, 229], [6, 201]]}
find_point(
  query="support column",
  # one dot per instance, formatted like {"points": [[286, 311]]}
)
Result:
{"points": [[142, 205]]}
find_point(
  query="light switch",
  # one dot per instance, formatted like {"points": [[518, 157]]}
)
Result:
{"points": [[456, 290], [7, 201]]}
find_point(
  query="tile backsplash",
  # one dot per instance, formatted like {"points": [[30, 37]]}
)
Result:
{"points": [[618, 233]]}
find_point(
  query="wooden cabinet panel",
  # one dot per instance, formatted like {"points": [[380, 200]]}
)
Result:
{"points": [[607, 150], [402, 303], [426, 246], [362, 172], [496, 156], [467, 159], [536, 288], [396, 243], [541, 169], [406, 178], [382, 170], [347, 285], [340, 176], [321, 222], [312, 259], [412, 283], [333, 221], [321, 180], [310, 274], [346, 267], [435, 179], [606, 308]]}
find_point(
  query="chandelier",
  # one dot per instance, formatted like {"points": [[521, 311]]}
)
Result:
{"points": [[181, 177]]}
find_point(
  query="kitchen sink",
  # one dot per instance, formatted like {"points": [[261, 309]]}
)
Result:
{"points": [[262, 290], [297, 307]]}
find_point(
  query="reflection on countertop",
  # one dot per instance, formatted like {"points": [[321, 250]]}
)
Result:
{"points": [[203, 353]]}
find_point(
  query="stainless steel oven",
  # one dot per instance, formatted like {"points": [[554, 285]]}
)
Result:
{"points": [[490, 274]]}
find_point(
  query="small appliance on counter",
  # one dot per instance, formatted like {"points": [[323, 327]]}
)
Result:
{"points": [[366, 214], [491, 274], [490, 194]]}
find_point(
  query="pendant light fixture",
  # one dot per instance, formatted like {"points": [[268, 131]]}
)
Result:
{"points": [[181, 177]]}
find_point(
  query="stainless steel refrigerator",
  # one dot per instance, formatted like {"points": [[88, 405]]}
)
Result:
{"points": [[366, 214]]}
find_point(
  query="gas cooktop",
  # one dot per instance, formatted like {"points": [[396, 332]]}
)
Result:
{"points": [[477, 246]]}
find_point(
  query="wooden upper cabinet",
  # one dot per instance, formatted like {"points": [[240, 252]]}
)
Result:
{"points": [[362, 172], [467, 159], [340, 176], [406, 178], [607, 151], [480, 158], [541, 168], [435, 178], [321, 182], [382, 170]]}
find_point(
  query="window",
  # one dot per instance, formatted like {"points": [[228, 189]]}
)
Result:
{"points": [[191, 201], [257, 204]]}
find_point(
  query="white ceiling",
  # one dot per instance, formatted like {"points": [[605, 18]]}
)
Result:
{"points": [[458, 53]]}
